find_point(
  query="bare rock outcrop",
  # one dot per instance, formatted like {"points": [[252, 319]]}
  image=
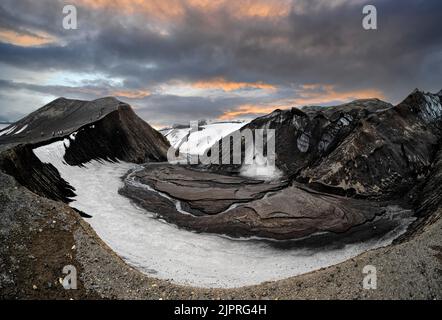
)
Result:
{"points": [[366, 148]]}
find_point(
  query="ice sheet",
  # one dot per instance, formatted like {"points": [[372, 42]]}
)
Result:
{"points": [[199, 141]]}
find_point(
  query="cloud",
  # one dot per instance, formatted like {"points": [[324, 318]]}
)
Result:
{"points": [[79, 92], [316, 94], [223, 84], [26, 39], [169, 10], [307, 94], [246, 111], [220, 55], [131, 94]]}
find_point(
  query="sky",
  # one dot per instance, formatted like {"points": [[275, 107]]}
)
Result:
{"points": [[175, 61]]}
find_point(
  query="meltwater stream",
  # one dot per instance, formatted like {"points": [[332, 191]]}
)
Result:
{"points": [[167, 252]]}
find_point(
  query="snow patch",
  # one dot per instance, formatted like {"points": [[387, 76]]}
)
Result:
{"points": [[198, 142], [9, 131], [303, 142], [344, 121], [260, 170], [21, 130], [176, 136], [432, 109]]}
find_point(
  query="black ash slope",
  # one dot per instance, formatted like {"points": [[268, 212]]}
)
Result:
{"points": [[366, 148]]}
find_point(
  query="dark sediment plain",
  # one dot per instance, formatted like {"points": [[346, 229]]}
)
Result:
{"points": [[241, 207], [352, 177]]}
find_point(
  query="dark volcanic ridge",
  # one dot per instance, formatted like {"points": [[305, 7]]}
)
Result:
{"points": [[366, 148], [104, 129]]}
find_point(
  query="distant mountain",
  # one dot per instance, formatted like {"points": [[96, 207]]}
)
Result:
{"points": [[4, 120], [386, 153], [367, 148], [196, 142]]}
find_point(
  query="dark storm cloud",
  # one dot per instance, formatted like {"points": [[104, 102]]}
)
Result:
{"points": [[161, 110], [323, 43]]}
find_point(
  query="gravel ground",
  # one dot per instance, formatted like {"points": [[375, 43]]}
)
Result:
{"points": [[39, 236]]}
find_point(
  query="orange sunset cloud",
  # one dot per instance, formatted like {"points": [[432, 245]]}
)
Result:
{"points": [[227, 86], [132, 94], [310, 94], [173, 9], [245, 110], [26, 39]]}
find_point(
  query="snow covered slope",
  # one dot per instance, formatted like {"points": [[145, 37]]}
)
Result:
{"points": [[197, 142]]}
